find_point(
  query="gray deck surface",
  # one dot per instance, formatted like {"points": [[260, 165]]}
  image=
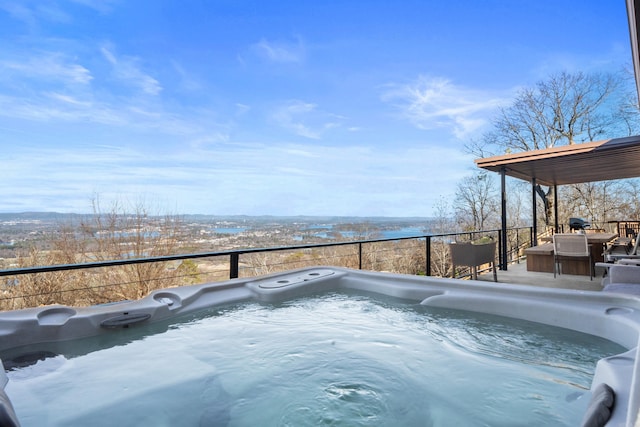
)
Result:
{"points": [[518, 274]]}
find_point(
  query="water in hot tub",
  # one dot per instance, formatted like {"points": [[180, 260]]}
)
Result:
{"points": [[336, 360]]}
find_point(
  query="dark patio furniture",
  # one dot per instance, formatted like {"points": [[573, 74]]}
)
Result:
{"points": [[473, 255]]}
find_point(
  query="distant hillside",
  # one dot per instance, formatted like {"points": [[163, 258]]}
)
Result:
{"points": [[57, 216]]}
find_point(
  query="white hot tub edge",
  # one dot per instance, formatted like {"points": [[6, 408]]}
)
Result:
{"points": [[612, 316]]}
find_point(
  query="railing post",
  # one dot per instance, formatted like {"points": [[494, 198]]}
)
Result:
{"points": [[534, 214], [555, 207], [500, 254], [427, 244], [360, 256], [234, 263], [503, 209], [531, 237]]}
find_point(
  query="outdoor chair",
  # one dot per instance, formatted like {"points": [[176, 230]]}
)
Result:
{"points": [[616, 252], [567, 246], [473, 255], [629, 233]]}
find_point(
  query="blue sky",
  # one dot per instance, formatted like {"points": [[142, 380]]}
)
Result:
{"points": [[271, 107]]}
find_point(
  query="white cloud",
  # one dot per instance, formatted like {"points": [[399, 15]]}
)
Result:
{"points": [[242, 109], [304, 119], [52, 12], [48, 66], [127, 69], [55, 87], [19, 12], [279, 179], [68, 99], [102, 6], [280, 51], [431, 103], [22, 11], [289, 117], [187, 82]]}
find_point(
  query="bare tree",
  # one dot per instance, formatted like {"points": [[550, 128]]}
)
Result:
{"points": [[124, 232], [630, 207], [599, 202], [443, 223], [475, 202], [564, 109], [118, 233]]}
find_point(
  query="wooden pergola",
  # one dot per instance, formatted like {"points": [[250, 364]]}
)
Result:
{"points": [[573, 164], [609, 159]]}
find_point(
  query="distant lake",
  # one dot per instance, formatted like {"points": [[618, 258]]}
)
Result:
{"points": [[328, 231], [392, 234], [230, 230], [383, 234], [403, 232]]}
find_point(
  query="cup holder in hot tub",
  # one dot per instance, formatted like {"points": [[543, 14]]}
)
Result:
{"points": [[294, 279], [619, 311], [169, 299], [55, 315]]}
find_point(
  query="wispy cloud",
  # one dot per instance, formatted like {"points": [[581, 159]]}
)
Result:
{"points": [[48, 66], [117, 115], [242, 109], [102, 6], [280, 51], [68, 99], [51, 12], [47, 86], [128, 70], [19, 11], [290, 116], [187, 82], [430, 103], [31, 13], [53, 106], [304, 119]]}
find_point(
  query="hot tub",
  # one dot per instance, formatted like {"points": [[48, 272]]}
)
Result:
{"points": [[91, 366]]}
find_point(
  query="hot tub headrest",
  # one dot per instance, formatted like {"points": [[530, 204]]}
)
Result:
{"points": [[600, 406]]}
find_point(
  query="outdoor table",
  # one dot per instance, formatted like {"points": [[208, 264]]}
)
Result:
{"points": [[540, 258]]}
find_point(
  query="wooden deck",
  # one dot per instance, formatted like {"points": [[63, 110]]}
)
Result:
{"points": [[518, 274]]}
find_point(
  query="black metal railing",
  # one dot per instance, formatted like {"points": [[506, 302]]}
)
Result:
{"points": [[518, 239], [234, 255]]}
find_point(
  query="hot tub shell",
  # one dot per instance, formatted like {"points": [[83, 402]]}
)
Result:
{"points": [[615, 317]]}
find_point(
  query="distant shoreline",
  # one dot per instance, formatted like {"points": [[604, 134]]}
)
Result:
{"points": [[315, 218]]}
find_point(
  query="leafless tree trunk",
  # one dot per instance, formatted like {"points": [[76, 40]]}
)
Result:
{"points": [[476, 204], [444, 223]]}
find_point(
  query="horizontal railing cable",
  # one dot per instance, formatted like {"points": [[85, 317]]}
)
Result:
{"points": [[235, 253]]}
